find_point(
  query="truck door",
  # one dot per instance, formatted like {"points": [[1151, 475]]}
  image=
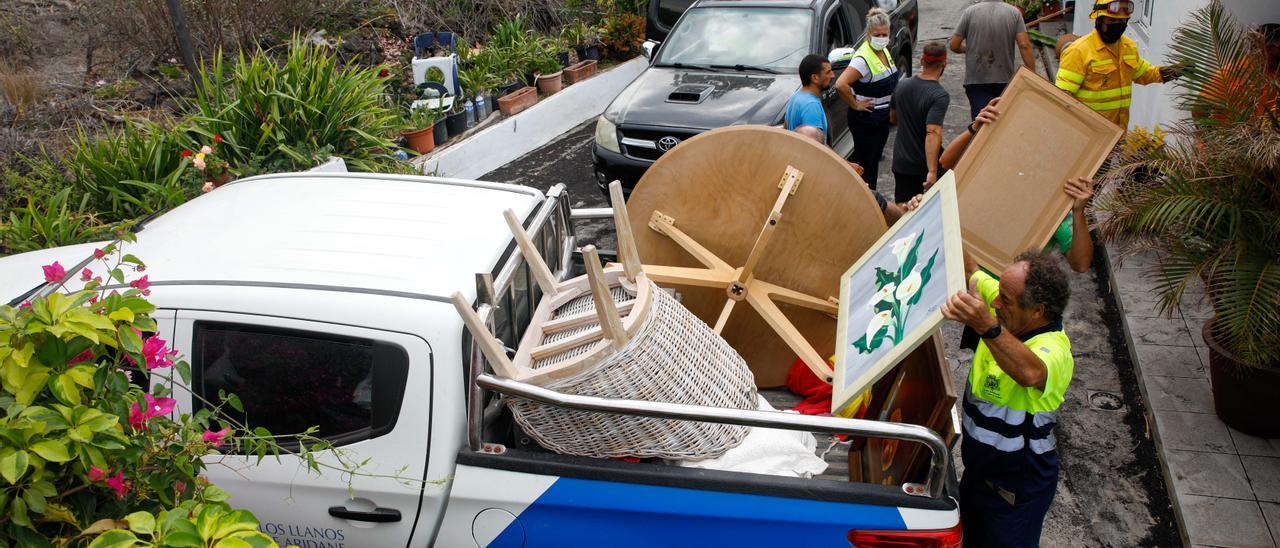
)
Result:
{"points": [[367, 391], [837, 33]]}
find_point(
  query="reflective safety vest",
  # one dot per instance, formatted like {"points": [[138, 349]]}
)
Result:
{"points": [[879, 85], [1008, 428], [1102, 76]]}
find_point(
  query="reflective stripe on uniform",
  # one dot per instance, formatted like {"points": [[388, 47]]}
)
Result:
{"points": [[1109, 105], [1101, 62], [1064, 74], [987, 437], [1143, 65], [1088, 95], [1006, 414], [1043, 446]]}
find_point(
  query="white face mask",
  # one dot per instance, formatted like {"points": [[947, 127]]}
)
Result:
{"points": [[879, 42]]}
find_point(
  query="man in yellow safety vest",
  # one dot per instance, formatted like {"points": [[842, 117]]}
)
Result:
{"points": [[1100, 68]]}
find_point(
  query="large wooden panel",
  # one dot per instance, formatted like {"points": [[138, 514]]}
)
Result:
{"points": [[719, 188], [1010, 179]]}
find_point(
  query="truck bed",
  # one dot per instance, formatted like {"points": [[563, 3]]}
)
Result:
{"points": [[835, 452]]}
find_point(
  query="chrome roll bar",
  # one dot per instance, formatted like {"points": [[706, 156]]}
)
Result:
{"points": [[764, 419]]}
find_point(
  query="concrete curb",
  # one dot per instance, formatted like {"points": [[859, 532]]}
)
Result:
{"points": [[546, 120], [1146, 398]]}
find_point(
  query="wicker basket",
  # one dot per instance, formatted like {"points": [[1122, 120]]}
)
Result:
{"points": [[673, 357], [614, 334]]}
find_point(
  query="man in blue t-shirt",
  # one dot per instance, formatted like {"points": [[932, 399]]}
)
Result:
{"points": [[804, 108]]}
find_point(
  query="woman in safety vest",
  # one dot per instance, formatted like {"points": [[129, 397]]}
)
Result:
{"points": [[867, 85]]}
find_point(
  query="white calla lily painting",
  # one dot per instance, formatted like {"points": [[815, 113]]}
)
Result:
{"points": [[890, 298]]}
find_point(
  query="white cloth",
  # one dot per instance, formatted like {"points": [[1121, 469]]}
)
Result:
{"points": [[769, 451]]}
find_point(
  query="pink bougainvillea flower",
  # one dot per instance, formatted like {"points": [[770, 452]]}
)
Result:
{"points": [[153, 349], [156, 407], [93, 299], [54, 272], [179, 487], [81, 357], [86, 275], [140, 283], [98, 253], [25, 304], [215, 438], [96, 474], [118, 484]]}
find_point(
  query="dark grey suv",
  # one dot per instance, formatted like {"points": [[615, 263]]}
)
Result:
{"points": [[730, 62]]}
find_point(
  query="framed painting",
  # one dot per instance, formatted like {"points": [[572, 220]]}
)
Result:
{"points": [[890, 299], [1010, 179]]}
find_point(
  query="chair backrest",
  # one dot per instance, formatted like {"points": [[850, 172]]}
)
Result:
{"points": [[426, 41], [446, 40]]}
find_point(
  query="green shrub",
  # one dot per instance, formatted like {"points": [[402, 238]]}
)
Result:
{"points": [[49, 222], [131, 172], [36, 177], [288, 113]]}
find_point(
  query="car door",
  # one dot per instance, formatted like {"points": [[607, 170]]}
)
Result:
{"points": [[836, 33], [367, 390]]}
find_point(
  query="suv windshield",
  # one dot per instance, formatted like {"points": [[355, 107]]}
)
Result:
{"points": [[772, 38]]}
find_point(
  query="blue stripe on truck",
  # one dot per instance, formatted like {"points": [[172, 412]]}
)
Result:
{"points": [[577, 512]]}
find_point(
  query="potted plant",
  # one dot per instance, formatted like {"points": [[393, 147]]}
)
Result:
{"points": [[587, 41], [516, 101], [549, 72], [419, 132], [1028, 8], [622, 34], [440, 131], [1207, 204], [457, 119]]}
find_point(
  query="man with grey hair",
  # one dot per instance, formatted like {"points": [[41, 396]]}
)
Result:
{"points": [[1017, 381], [986, 35]]}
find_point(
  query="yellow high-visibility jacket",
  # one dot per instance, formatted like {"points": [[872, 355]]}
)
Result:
{"points": [[1102, 76]]}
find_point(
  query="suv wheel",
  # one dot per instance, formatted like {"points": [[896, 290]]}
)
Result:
{"points": [[903, 60]]}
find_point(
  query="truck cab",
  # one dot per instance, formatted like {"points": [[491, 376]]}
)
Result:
{"points": [[321, 300], [730, 62]]}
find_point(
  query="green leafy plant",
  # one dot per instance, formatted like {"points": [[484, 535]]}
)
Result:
{"points": [[283, 112], [49, 222], [422, 117], [134, 171], [1208, 199], [897, 291], [622, 34]]}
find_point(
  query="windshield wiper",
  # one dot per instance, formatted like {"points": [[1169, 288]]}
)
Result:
{"points": [[743, 68], [710, 68]]}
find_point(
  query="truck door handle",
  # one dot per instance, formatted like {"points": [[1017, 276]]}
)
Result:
{"points": [[378, 515]]}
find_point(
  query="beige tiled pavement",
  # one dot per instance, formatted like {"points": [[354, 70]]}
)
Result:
{"points": [[1224, 484]]}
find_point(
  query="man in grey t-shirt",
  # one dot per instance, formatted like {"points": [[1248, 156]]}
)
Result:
{"points": [[986, 35]]}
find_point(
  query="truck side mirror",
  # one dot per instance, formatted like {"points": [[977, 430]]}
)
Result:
{"points": [[649, 48]]}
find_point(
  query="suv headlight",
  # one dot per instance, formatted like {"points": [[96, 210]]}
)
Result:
{"points": [[607, 135]]}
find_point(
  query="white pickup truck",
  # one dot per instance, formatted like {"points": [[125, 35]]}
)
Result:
{"points": [[321, 299]]}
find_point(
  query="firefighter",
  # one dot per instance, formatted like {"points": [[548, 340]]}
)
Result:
{"points": [[1101, 67]]}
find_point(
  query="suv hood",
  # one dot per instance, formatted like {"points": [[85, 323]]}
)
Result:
{"points": [[671, 97]]}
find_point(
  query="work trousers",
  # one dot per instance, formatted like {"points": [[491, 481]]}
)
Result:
{"points": [[990, 521], [981, 94], [907, 185], [870, 132]]}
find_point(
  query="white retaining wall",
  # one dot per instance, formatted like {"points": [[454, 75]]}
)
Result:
{"points": [[521, 134]]}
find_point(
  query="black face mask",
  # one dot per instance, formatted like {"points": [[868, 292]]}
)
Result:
{"points": [[1110, 31]]}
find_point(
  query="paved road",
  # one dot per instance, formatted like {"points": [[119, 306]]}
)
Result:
{"points": [[1111, 491]]}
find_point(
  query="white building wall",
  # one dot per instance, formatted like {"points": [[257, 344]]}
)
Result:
{"points": [[1156, 104]]}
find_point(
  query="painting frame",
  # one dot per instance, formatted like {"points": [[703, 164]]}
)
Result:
{"points": [[1010, 179], [855, 373]]}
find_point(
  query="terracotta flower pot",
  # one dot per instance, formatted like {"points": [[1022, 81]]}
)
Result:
{"points": [[221, 178], [1244, 394], [550, 83], [422, 141], [580, 71], [518, 100]]}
